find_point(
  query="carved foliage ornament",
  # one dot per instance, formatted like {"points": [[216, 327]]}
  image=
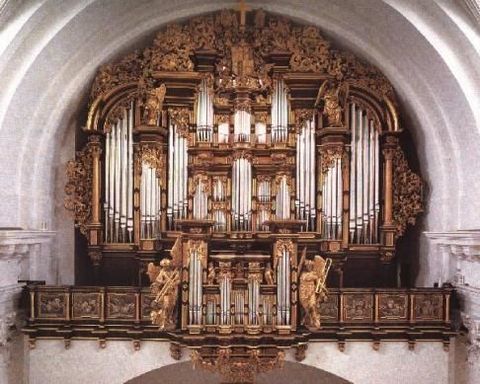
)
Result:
{"points": [[329, 155], [181, 118], [236, 369], [407, 193], [175, 47], [78, 189], [151, 155]]}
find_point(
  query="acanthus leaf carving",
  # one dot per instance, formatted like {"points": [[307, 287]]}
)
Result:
{"points": [[78, 188], [407, 192]]}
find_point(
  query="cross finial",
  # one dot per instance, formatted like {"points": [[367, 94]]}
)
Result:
{"points": [[243, 8]]}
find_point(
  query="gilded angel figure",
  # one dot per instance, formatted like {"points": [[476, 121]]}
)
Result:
{"points": [[312, 288], [165, 280], [153, 105]]}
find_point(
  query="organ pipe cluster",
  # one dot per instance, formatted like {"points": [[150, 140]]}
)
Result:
{"points": [[305, 175], [241, 194], [283, 287], [118, 196], [279, 112], [195, 291], [364, 178], [204, 114], [177, 176], [332, 201], [150, 202]]}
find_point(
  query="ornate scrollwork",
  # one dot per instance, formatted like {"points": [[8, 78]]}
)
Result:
{"points": [[329, 155], [78, 189], [200, 178], [238, 369], [181, 118], [407, 193], [302, 115], [151, 155]]}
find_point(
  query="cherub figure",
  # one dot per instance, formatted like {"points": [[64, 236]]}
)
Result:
{"points": [[153, 105], [269, 275]]}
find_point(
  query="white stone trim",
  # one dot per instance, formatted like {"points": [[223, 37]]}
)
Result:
{"points": [[459, 254]]}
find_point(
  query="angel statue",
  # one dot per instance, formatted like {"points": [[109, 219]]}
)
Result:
{"points": [[332, 107], [313, 275], [165, 280], [153, 105]]}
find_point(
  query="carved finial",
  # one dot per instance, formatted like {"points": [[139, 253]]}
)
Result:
{"points": [[243, 8]]}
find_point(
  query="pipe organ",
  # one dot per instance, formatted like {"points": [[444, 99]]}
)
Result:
{"points": [[247, 146]]}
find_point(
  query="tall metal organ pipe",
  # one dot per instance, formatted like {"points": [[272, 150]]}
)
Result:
{"points": [[279, 129], [305, 175], [118, 197], [177, 176], [204, 113], [364, 177], [241, 194]]}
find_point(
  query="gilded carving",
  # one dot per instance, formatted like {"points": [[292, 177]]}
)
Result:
{"points": [[302, 115], [78, 189], [312, 289], [153, 104], [329, 155], [236, 369], [181, 118], [329, 308], [151, 155], [165, 280], [407, 193], [332, 108]]}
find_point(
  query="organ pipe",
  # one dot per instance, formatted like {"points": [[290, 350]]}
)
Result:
{"points": [[283, 288], [204, 114], [177, 176], [305, 175], [279, 116], [118, 170], [241, 194], [241, 128], [364, 178]]}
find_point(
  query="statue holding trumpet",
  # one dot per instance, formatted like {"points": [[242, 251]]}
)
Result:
{"points": [[165, 280], [312, 290]]}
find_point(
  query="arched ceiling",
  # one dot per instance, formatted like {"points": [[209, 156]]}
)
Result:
{"points": [[50, 51]]}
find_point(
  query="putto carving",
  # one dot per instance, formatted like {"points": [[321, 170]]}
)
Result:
{"points": [[153, 104], [407, 193], [334, 98]]}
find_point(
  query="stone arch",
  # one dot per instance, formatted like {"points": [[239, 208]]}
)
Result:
{"points": [[292, 373]]}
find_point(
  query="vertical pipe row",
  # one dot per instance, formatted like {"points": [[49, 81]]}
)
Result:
{"points": [[279, 113], [204, 114], [241, 194], [118, 197], [364, 178]]}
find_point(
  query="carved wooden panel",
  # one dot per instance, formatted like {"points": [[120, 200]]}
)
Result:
{"points": [[52, 305], [392, 307], [428, 307], [120, 305], [329, 309], [146, 305], [358, 307], [86, 305]]}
